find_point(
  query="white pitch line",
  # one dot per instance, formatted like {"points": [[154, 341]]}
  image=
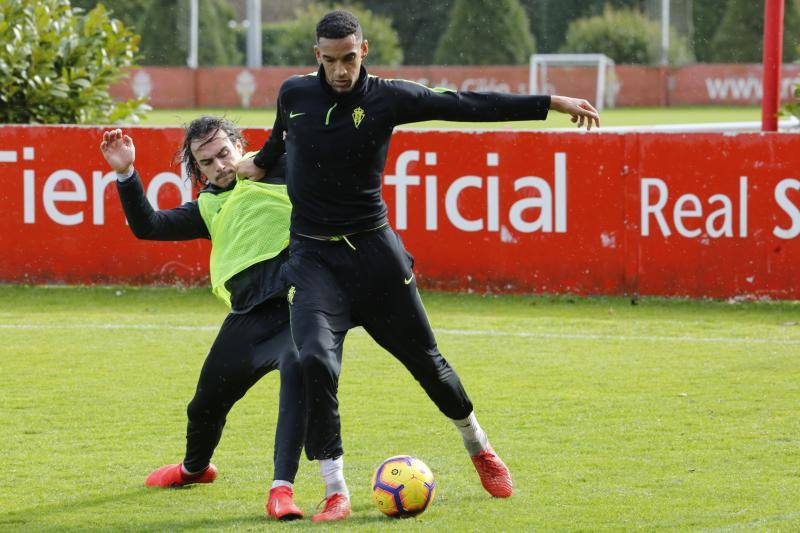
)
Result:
{"points": [[444, 331], [109, 326], [588, 337]]}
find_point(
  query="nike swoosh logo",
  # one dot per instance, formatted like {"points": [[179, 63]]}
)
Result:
{"points": [[408, 281], [292, 115]]}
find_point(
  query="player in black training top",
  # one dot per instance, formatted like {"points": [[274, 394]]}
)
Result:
{"points": [[347, 266]]}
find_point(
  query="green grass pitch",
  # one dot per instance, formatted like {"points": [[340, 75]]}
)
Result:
{"points": [[667, 415], [629, 116]]}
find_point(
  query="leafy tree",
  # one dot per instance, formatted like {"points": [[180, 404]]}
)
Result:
{"points": [[740, 36], [164, 27], [486, 32], [550, 18], [626, 36], [705, 18], [57, 64], [292, 42], [128, 11], [419, 25]]}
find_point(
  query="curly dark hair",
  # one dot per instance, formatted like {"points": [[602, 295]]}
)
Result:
{"points": [[205, 129], [338, 24]]}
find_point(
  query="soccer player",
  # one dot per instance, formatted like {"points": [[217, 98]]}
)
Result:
{"points": [[248, 224], [347, 266]]}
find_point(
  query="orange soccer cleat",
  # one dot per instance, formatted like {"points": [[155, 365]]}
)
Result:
{"points": [[494, 474], [171, 476], [337, 507], [281, 506]]}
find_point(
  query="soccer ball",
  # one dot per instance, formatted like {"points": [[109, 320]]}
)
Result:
{"points": [[403, 486]]}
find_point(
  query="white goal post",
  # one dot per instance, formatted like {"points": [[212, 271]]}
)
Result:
{"points": [[604, 93]]}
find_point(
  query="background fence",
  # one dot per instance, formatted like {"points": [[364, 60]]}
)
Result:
{"points": [[634, 85]]}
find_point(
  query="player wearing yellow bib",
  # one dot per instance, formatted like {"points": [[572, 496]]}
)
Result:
{"points": [[248, 224]]}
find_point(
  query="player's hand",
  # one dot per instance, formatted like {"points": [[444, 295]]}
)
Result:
{"points": [[119, 151], [581, 110], [247, 169]]}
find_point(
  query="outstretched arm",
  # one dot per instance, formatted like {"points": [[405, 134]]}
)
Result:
{"points": [[415, 103], [180, 223]]}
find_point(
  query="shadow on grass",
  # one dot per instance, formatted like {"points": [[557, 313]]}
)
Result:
{"points": [[31, 515], [31, 518], [34, 515]]}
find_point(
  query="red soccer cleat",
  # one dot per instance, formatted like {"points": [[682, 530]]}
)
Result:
{"points": [[281, 506], [494, 474], [170, 476], [337, 507]]}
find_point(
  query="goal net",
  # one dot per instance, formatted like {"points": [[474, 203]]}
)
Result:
{"points": [[605, 76]]}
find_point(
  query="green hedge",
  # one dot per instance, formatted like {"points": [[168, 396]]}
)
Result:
{"points": [[56, 64], [794, 108], [486, 32], [626, 36]]}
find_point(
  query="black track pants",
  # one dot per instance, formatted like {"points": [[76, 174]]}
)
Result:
{"points": [[336, 287], [247, 347]]}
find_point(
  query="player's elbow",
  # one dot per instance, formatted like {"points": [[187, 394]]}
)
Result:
{"points": [[142, 232], [142, 235]]}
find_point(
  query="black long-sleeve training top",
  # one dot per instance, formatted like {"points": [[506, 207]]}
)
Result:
{"points": [[336, 144], [248, 288]]}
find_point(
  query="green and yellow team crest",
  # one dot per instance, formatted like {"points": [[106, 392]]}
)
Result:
{"points": [[358, 116], [290, 294]]}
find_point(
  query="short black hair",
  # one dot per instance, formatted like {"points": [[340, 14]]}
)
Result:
{"points": [[205, 127], [338, 24]]}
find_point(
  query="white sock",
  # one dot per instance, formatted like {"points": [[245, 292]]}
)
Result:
{"points": [[332, 471], [475, 440], [282, 483]]}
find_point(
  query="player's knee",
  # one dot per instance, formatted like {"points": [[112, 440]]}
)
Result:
{"points": [[203, 409], [291, 370], [315, 359], [429, 366], [198, 409], [312, 361], [291, 357]]}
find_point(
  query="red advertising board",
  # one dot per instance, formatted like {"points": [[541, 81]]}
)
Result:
{"points": [[730, 221], [702, 215], [506, 211]]}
